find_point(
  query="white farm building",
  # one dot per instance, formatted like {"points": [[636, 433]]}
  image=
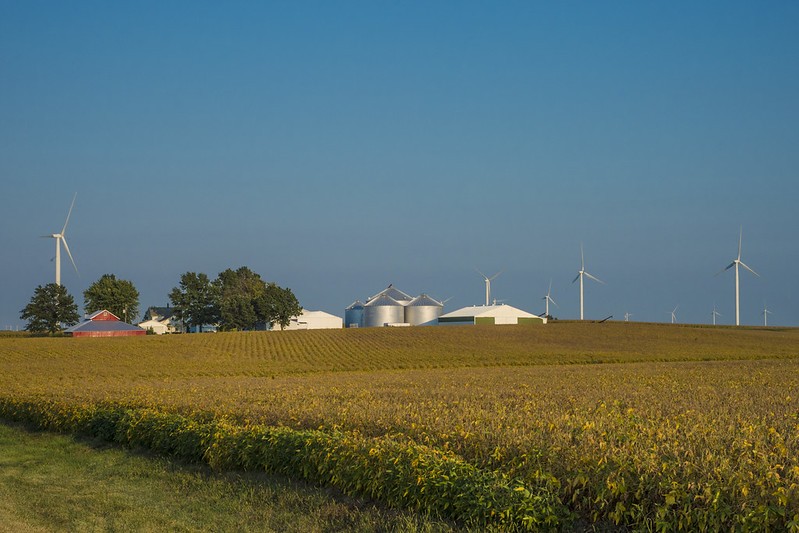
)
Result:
{"points": [[490, 314], [313, 320]]}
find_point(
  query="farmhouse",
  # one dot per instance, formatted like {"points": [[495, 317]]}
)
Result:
{"points": [[490, 314], [103, 324], [161, 320]]}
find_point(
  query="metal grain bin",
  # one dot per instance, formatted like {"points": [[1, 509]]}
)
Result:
{"points": [[382, 310], [423, 311], [353, 315]]}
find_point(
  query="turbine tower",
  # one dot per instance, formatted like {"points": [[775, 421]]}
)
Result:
{"points": [[582, 273], [736, 263], [488, 284], [548, 299], [715, 314], [60, 238], [766, 313], [674, 315]]}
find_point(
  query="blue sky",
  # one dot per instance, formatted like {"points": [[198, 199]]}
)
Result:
{"points": [[337, 147]]}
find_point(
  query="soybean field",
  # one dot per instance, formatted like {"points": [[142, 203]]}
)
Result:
{"points": [[567, 426]]}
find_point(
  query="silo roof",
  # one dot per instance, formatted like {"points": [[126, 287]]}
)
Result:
{"points": [[357, 304], [424, 300], [394, 293], [382, 300]]}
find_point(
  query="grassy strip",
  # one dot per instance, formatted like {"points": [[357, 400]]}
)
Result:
{"points": [[400, 473], [52, 482]]}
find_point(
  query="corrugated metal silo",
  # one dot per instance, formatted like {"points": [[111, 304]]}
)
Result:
{"points": [[382, 310], [423, 311], [353, 315]]}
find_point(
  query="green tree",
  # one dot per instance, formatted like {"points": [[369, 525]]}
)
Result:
{"points": [[195, 300], [51, 309], [278, 305], [238, 292], [118, 296]]}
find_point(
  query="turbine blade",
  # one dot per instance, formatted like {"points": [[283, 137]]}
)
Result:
{"points": [[478, 271], [66, 247], [553, 301], [725, 268], [749, 269], [495, 276], [578, 277], [740, 238], [64, 229], [582, 257], [594, 278]]}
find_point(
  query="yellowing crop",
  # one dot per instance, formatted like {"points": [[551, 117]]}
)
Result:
{"points": [[679, 428]]}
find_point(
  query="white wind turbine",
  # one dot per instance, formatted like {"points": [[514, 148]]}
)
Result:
{"points": [[548, 298], [488, 284], [60, 238], [736, 263], [627, 316], [715, 314], [766, 313], [674, 315], [582, 273]]}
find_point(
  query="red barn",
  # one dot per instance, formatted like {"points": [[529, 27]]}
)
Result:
{"points": [[103, 324]]}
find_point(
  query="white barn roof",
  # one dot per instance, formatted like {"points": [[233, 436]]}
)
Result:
{"points": [[497, 314], [314, 320]]}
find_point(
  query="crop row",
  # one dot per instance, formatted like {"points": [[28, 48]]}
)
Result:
{"points": [[393, 470], [668, 439]]}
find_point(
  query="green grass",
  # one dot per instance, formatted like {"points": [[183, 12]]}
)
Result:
{"points": [[55, 483]]}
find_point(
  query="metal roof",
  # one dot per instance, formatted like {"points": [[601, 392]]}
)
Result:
{"points": [[357, 304], [489, 310], [394, 293], [424, 300], [382, 300], [102, 325]]}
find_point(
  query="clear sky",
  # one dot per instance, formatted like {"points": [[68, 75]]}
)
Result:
{"points": [[337, 147]]}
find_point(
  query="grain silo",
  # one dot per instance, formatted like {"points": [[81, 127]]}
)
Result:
{"points": [[382, 310], [423, 311], [353, 315]]}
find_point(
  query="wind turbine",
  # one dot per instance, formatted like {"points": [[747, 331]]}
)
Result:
{"points": [[674, 315], [736, 263], [60, 238], [488, 284], [715, 314], [627, 317], [766, 313], [548, 299], [582, 273]]}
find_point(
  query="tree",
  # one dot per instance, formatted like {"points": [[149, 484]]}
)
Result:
{"points": [[50, 309], [118, 296], [195, 301], [238, 293], [278, 305]]}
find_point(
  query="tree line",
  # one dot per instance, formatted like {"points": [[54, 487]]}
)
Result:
{"points": [[235, 300]]}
